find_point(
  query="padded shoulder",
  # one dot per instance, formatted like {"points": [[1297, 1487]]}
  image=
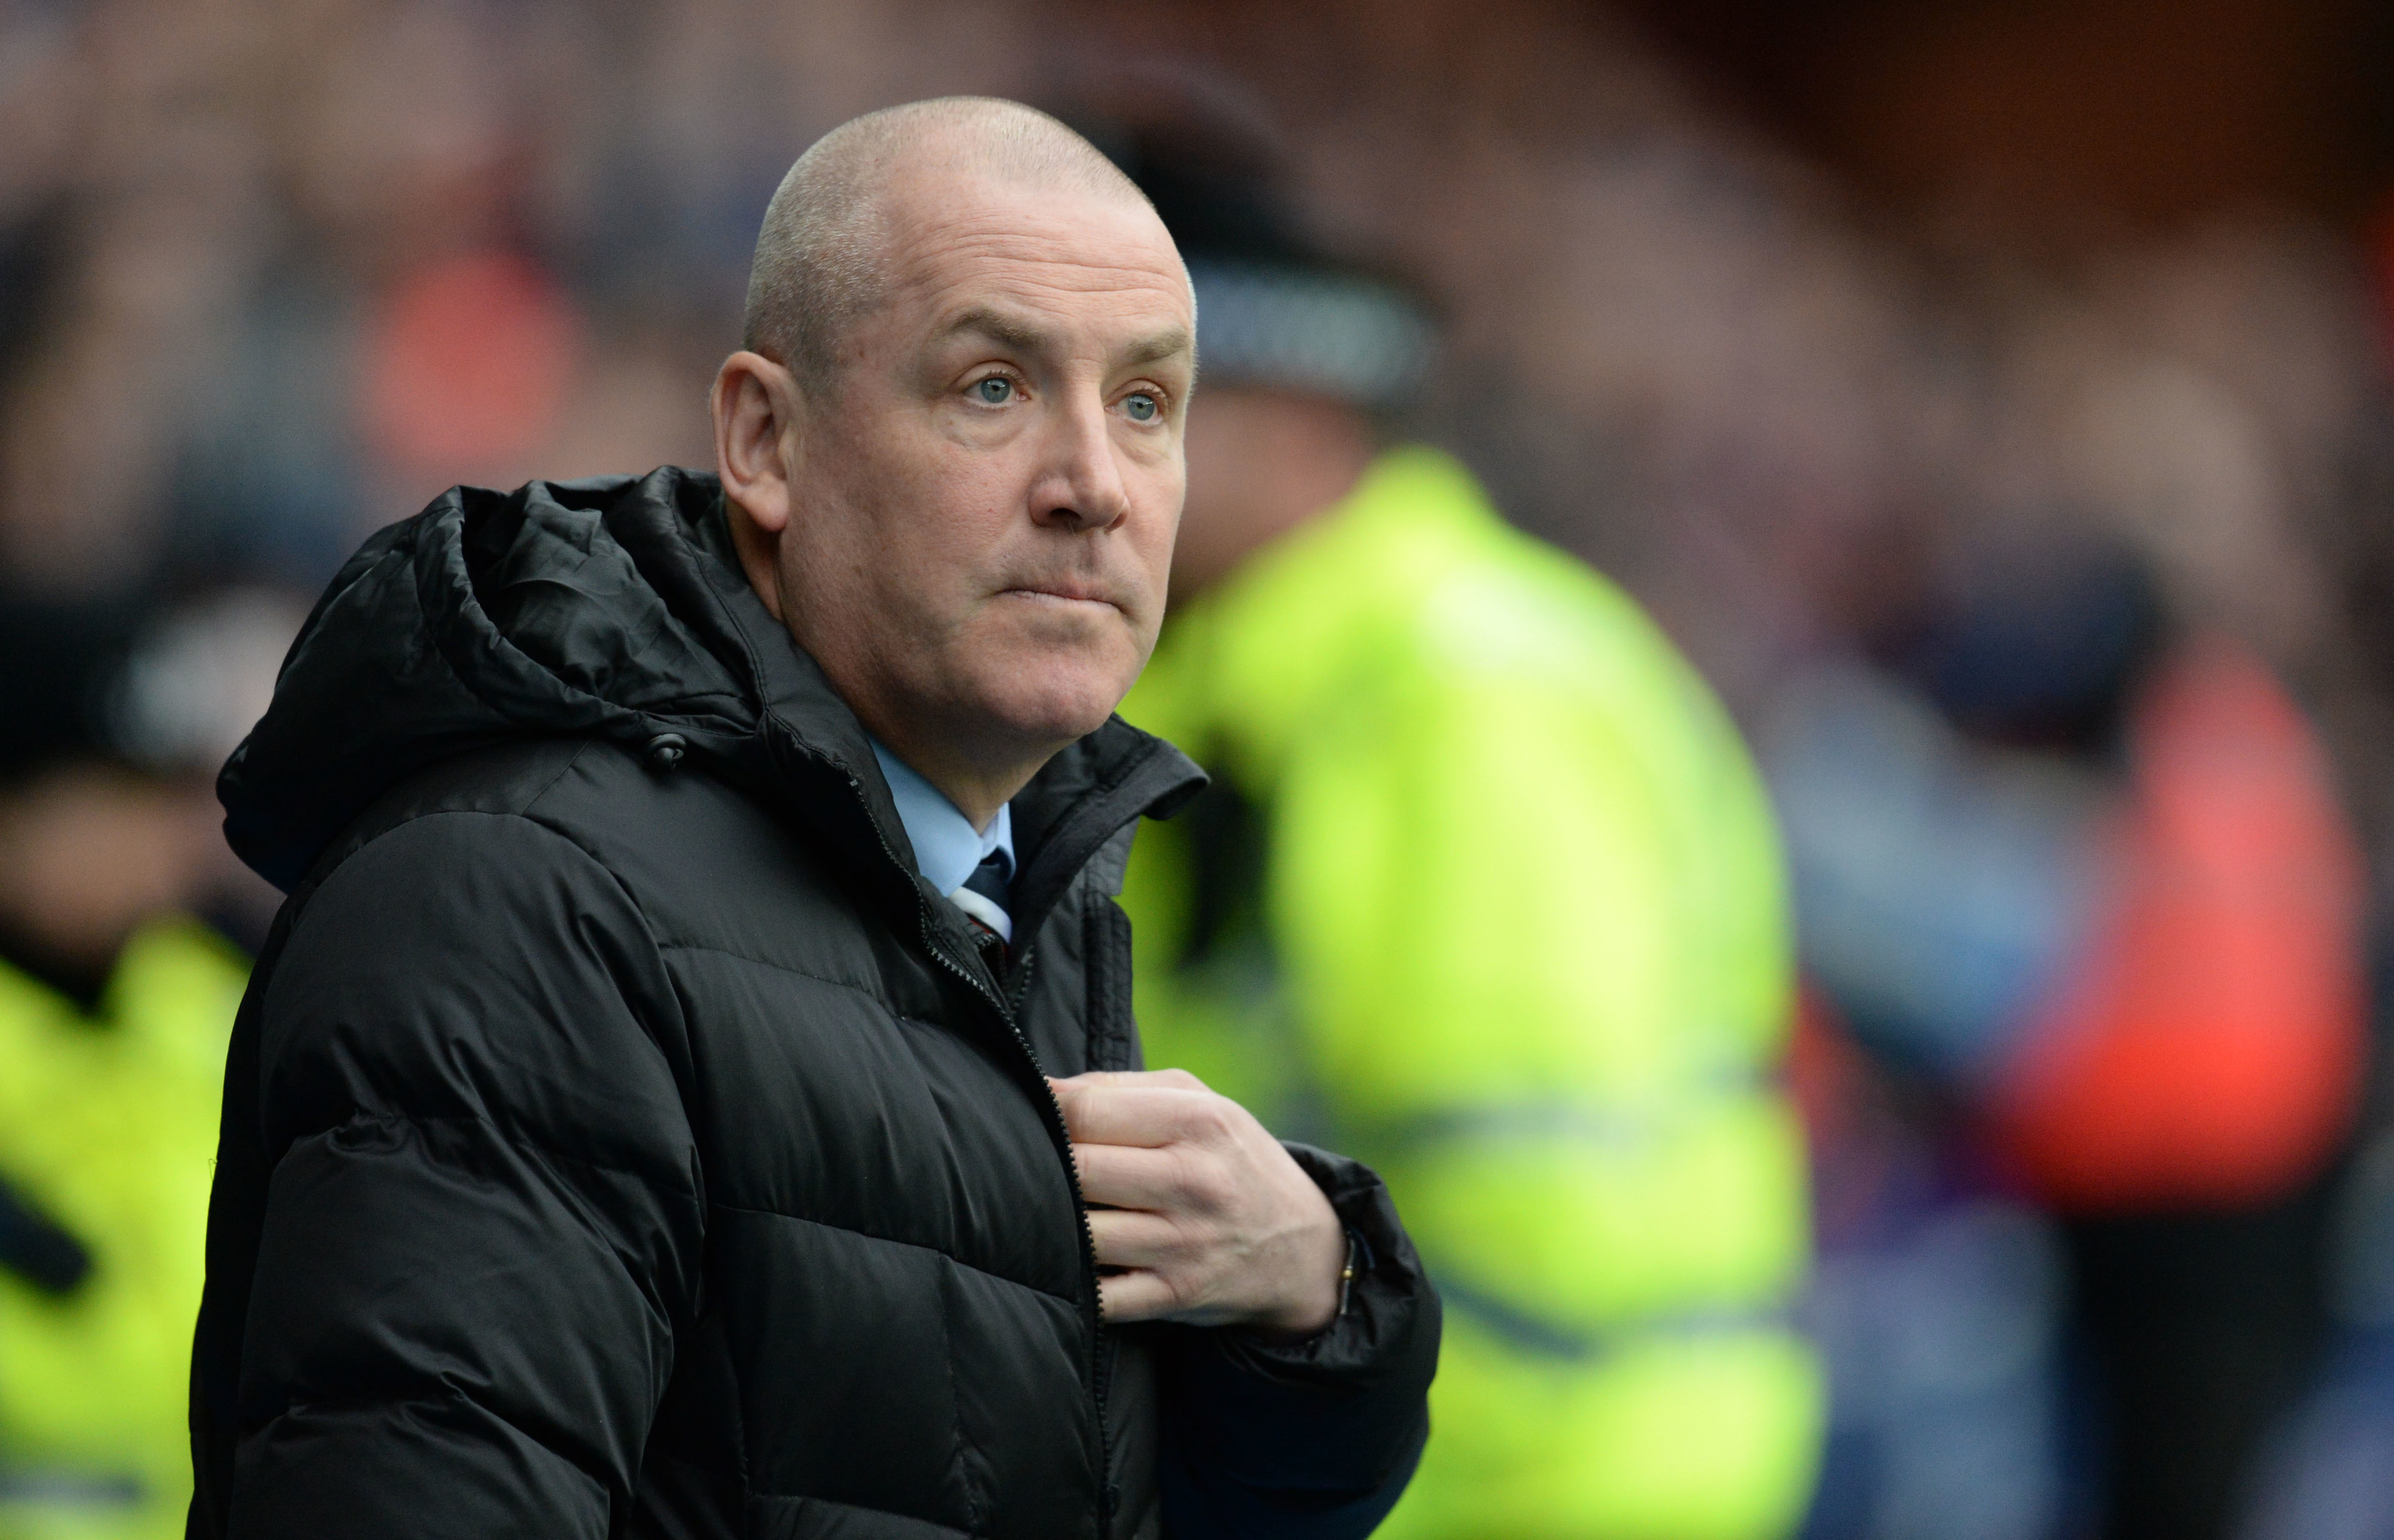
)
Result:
{"points": [[506, 779], [477, 965]]}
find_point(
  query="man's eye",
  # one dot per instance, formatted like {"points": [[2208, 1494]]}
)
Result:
{"points": [[1142, 406], [996, 390]]}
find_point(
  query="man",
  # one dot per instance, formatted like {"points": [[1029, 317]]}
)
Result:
{"points": [[1485, 889], [641, 1121], [115, 1004]]}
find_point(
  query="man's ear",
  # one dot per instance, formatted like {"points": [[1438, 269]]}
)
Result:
{"points": [[756, 407]]}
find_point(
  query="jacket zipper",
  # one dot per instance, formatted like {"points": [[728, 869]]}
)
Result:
{"points": [[1079, 1210], [1063, 1136]]}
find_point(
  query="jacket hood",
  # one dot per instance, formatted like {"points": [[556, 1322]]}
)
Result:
{"points": [[610, 608]]}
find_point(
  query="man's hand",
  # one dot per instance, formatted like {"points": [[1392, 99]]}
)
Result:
{"points": [[1206, 1217]]}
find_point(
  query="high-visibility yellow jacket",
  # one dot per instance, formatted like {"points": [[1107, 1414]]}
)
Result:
{"points": [[1488, 893], [107, 1128]]}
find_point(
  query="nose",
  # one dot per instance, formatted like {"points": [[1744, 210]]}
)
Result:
{"points": [[1082, 485]]}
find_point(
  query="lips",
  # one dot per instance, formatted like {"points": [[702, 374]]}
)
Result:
{"points": [[1078, 593]]}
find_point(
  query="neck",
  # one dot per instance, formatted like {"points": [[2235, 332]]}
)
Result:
{"points": [[977, 785]]}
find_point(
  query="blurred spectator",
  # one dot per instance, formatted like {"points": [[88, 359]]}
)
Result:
{"points": [[115, 1006], [1939, 1305], [2089, 882], [467, 364]]}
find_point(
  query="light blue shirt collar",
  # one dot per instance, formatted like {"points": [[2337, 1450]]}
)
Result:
{"points": [[947, 847]]}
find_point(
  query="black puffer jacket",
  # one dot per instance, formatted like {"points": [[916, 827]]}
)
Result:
{"points": [[621, 1139]]}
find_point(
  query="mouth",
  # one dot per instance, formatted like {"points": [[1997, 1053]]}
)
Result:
{"points": [[1059, 593]]}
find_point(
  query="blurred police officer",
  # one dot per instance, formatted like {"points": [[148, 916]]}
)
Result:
{"points": [[1485, 889], [115, 1006]]}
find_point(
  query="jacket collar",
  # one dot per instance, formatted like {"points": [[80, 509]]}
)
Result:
{"points": [[811, 743]]}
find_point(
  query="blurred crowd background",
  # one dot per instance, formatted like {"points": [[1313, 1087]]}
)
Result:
{"points": [[1990, 396]]}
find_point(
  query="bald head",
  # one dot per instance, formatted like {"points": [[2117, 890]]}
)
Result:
{"points": [[951, 454], [822, 255]]}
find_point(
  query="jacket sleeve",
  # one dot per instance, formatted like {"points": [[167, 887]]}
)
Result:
{"points": [[1317, 1438], [483, 1216]]}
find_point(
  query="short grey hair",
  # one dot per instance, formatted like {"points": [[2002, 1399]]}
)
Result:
{"points": [[818, 254]]}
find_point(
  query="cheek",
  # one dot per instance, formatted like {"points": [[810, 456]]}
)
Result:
{"points": [[915, 518], [1154, 550], [958, 525]]}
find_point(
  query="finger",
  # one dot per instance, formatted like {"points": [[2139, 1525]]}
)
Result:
{"points": [[1122, 1114], [1139, 1296], [1148, 1115], [1126, 1238], [1170, 1080], [1125, 1176], [1076, 1092]]}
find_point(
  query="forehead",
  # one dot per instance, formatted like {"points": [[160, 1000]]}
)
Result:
{"points": [[1068, 252]]}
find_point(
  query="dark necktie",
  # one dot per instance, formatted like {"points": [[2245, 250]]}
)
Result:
{"points": [[986, 894]]}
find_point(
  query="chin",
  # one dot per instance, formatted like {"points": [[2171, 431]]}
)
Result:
{"points": [[1053, 677], [1057, 698]]}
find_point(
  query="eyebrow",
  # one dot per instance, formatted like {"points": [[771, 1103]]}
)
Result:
{"points": [[1027, 336], [1011, 331], [1158, 346]]}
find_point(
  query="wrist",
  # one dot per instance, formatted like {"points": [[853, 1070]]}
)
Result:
{"points": [[1320, 1299]]}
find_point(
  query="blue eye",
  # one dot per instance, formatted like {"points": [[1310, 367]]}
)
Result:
{"points": [[996, 390], [1142, 407]]}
